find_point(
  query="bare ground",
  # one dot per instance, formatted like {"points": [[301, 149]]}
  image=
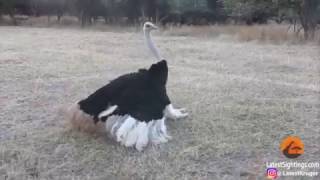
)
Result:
{"points": [[243, 98]]}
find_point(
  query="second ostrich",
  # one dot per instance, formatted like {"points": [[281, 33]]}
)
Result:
{"points": [[133, 106]]}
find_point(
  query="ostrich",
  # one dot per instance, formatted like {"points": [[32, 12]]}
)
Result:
{"points": [[133, 106]]}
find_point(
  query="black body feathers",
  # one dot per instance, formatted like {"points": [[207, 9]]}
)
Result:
{"points": [[141, 95]]}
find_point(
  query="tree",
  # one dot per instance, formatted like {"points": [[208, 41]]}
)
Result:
{"points": [[89, 10], [49, 8], [216, 6], [7, 7], [306, 11], [13, 7], [250, 11], [133, 10]]}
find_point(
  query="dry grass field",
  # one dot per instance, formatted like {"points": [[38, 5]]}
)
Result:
{"points": [[243, 98]]}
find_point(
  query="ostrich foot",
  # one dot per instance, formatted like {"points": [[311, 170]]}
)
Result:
{"points": [[172, 113]]}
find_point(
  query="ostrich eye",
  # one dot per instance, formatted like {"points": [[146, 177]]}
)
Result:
{"points": [[148, 26]]}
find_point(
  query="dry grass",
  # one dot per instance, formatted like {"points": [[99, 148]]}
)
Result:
{"points": [[243, 98], [276, 34]]}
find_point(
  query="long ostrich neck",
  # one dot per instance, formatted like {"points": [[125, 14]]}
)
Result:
{"points": [[152, 46]]}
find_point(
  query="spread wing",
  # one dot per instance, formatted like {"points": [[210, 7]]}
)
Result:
{"points": [[141, 95]]}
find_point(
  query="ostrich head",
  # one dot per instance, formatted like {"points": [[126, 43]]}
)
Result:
{"points": [[148, 27]]}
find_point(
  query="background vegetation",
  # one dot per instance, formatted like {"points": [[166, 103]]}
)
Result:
{"points": [[302, 14]]}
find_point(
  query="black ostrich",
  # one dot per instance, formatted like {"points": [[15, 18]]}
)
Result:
{"points": [[133, 106]]}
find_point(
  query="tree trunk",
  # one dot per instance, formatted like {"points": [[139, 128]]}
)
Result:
{"points": [[14, 20], [308, 20], [59, 16], [83, 19]]}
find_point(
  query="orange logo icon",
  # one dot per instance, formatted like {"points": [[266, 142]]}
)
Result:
{"points": [[292, 147]]}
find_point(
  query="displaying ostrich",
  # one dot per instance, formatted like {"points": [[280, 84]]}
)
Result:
{"points": [[133, 106]]}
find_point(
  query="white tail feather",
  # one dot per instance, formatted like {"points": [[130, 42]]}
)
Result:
{"points": [[124, 128], [161, 135], [130, 132], [164, 129], [132, 136], [143, 139], [117, 125], [110, 122]]}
